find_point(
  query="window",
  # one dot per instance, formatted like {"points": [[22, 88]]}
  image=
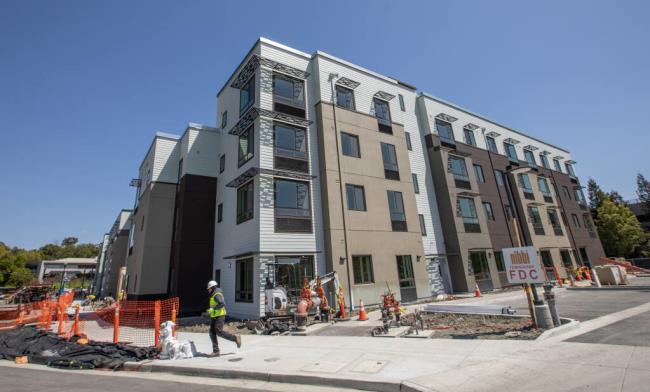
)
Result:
{"points": [[362, 268], [246, 96], [499, 176], [416, 185], [510, 213], [456, 166], [217, 275], [445, 131], [408, 141], [391, 169], [396, 208], [245, 206], [547, 260], [576, 221], [564, 219], [480, 177], [491, 144], [489, 214], [290, 147], [511, 152], [555, 221], [180, 171], [524, 182], [356, 197], [498, 258], [567, 194], [588, 224], [220, 212], [466, 209], [224, 119], [544, 160], [290, 272], [580, 197], [244, 280], [405, 271], [382, 112], [536, 220], [222, 163], [142, 223], [480, 266], [423, 227], [543, 188], [583, 256], [292, 206], [469, 137], [566, 258], [401, 102], [556, 163], [530, 158], [569, 169], [288, 95], [246, 143], [350, 145], [344, 97]]}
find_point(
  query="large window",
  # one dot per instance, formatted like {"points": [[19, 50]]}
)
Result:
{"points": [[350, 145], [224, 119], [511, 152], [401, 102], [530, 158], [290, 272], [389, 156], [292, 206], [547, 260], [556, 163], [247, 96], [445, 131], [491, 144], [576, 221], [566, 258], [396, 208], [554, 219], [589, 225], [245, 207], [489, 213], [566, 192], [536, 220], [498, 259], [524, 183], [362, 268], [580, 197], [356, 197], [544, 189], [544, 160], [405, 271], [498, 174], [456, 166], [469, 137], [466, 209], [244, 280], [480, 177], [569, 169], [344, 97], [423, 227], [382, 112], [416, 184], [246, 144], [288, 95], [290, 148]]}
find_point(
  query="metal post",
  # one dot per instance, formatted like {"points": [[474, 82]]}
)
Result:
{"points": [[527, 288], [550, 300]]}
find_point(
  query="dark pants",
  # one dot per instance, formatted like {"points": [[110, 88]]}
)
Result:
{"points": [[216, 329]]}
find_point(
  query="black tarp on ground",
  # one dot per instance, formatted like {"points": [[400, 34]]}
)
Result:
{"points": [[49, 349]]}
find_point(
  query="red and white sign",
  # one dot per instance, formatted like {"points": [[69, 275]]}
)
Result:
{"points": [[522, 265]]}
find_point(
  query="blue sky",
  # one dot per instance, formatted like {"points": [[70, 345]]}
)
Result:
{"points": [[85, 84]]}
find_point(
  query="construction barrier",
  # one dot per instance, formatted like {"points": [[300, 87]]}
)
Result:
{"points": [[629, 267], [132, 322]]}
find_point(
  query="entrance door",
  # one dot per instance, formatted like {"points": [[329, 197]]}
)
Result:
{"points": [[481, 270], [406, 278]]}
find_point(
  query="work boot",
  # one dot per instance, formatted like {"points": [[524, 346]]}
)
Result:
{"points": [[214, 354], [238, 341]]}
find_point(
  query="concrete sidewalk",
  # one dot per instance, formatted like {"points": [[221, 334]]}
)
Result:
{"points": [[427, 365]]}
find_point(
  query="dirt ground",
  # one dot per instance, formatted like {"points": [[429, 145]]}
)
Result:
{"points": [[472, 326]]}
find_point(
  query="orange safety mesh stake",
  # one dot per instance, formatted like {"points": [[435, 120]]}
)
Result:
{"points": [[557, 276], [156, 323], [116, 323], [174, 319], [60, 317], [75, 327]]}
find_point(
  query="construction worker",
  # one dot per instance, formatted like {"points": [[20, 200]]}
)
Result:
{"points": [[217, 314]]}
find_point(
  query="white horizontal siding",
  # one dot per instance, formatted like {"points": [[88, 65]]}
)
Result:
{"points": [[199, 155], [165, 160]]}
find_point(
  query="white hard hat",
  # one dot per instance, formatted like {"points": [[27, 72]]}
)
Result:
{"points": [[212, 284]]}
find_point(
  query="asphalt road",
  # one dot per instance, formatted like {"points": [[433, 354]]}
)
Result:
{"points": [[633, 331]]}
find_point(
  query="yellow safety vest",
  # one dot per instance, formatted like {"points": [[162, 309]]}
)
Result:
{"points": [[217, 312]]}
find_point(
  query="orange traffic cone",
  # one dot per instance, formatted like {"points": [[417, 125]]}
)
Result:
{"points": [[363, 316], [477, 291]]}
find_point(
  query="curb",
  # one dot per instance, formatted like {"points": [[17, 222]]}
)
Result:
{"points": [[610, 288], [564, 328], [292, 378]]}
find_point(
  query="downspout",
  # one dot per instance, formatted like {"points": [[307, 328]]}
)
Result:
{"points": [[332, 77]]}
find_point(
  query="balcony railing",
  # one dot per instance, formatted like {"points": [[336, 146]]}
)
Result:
{"points": [[384, 125], [293, 220]]}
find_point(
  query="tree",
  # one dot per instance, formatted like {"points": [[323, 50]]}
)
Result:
{"points": [[619, 230], [643, 192], [13, 270], [69, 241], [595, 194]]}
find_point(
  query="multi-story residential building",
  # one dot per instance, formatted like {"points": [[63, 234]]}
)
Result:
{"points": [[113, 256], [171, 238]]}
